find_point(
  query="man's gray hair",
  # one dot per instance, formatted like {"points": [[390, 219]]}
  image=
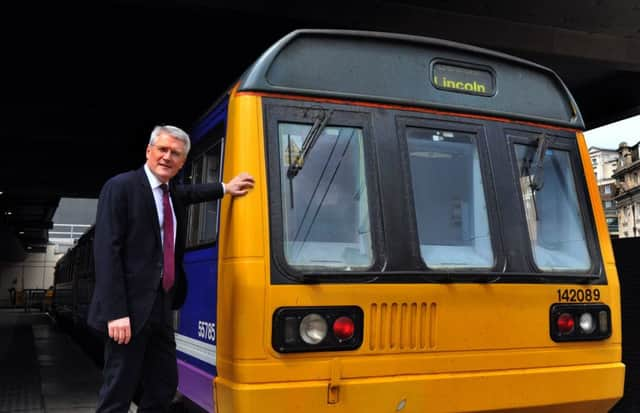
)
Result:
{"points": [[172, 131]]}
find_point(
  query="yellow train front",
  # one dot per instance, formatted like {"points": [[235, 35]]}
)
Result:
{"points": [[425, 235]]}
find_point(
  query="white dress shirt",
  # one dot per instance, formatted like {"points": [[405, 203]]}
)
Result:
{"points": [[157, 196]]}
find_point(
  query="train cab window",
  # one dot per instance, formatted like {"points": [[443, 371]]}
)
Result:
{"points": [[325, 212], [554, 220], [450, 206], [203, 217]]}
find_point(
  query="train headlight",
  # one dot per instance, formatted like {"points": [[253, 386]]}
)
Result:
{"points": [[318, 328], [313, 328], [603, 318], [586, 323], [579, 322]]}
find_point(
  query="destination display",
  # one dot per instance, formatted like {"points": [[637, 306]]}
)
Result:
{"points": [[463, 78]]}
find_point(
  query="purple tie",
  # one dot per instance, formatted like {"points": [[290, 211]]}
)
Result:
{"points": [[167, 230]]}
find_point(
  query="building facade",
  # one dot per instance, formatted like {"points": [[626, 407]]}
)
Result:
{"points": [[604, 163], [627, 177]]}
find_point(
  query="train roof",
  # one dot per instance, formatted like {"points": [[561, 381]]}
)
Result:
{"points": [[412, 70]]}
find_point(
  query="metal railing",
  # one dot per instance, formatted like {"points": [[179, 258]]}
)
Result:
{"points": [[67, 233]]}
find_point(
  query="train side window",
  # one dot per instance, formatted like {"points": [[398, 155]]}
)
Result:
{"points": [[553, 214], [194, 177], [449, 196], [203, 217], [325, 208], [209, 210]]}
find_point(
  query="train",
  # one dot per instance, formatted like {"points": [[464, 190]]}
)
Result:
{"points": [[425, 235], [74, 280]]}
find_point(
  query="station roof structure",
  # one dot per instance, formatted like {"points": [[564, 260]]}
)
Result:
{"points": [[85, 82]]}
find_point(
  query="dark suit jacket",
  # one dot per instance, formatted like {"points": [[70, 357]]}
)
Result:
{"points": [[128, 248]]}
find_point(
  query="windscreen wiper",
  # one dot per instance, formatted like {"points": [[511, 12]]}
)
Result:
{"points": [[537, 169], [316, 130]]}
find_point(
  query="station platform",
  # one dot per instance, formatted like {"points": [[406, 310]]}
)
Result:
{"points": [[45, 370], [42, 368]]}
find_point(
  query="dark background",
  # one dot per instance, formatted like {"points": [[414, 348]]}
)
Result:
{"points": [[84, 82]]}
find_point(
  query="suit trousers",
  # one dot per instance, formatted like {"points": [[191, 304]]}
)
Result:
{"points": [[145, 366]]}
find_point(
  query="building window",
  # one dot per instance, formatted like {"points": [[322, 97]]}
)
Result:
{"points": [[607, 189]]}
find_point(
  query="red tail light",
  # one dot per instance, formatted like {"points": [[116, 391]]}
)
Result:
{"points": [[343, 328], [565, 323]]}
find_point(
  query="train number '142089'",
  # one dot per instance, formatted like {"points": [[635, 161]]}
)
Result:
{"points": [[573, 295]]}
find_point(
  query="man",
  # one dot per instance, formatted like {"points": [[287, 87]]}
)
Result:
{"points": [[139, 244]]}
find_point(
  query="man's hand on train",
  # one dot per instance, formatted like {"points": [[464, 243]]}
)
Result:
{"points": [[120, 330], [240, 184]]}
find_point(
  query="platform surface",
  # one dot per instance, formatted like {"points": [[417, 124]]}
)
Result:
{"points": [[42, 368]]}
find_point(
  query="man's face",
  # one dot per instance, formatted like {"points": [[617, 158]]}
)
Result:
{"points": [[166, 157]]}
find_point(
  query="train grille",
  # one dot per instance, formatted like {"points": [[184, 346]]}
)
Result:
{"points": [[398, 327]]}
